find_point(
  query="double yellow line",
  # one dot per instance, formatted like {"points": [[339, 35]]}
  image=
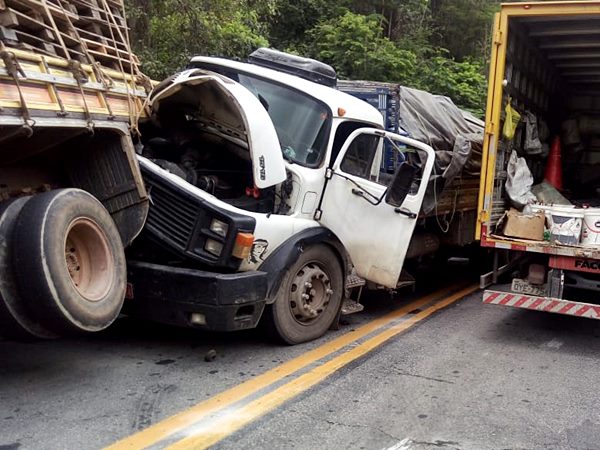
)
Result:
{"points": [[228, 423]]}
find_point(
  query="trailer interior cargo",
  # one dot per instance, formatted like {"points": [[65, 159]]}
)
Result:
{"points": [[540, 187]]}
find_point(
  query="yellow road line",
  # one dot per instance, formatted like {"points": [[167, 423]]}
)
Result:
{"points": [[184, 419], [228, 424]]}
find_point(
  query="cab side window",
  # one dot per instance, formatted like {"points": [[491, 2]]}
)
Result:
{"points": [[360, 156]]}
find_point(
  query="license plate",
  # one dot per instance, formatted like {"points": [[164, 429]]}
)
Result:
{"points": [[525, 287]]}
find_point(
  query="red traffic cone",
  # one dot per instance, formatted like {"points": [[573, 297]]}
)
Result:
{"points": [[553, 174]]}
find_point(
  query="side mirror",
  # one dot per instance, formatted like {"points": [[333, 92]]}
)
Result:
{"points": [[400, 186]]}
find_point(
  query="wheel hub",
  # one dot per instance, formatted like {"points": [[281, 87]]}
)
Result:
{"points": [[310, 293], [88, 259], [73, 264]]}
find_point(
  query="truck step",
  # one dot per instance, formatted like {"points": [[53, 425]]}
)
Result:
{"points": [[354, 281], [351, 306], [354, 284]]}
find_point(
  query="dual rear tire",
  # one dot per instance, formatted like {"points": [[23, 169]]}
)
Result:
{"points": [[65, 264]]}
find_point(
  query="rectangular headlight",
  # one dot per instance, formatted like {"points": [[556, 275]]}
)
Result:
{"points": [[219, 227], [213, 247]]}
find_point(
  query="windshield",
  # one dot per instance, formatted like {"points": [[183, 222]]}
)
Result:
{"points": [[302, 123]]}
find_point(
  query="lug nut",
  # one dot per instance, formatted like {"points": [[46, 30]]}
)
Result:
{"points": [[329, 291], [308, 285], [305, 296]]}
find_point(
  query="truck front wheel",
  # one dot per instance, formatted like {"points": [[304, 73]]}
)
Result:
{"points": [[309, 297], [69, 261]]}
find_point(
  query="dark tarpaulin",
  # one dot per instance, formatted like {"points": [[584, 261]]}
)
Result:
{"points": [[455, 135]]}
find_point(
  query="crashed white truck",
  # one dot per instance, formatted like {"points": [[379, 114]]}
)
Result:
{"points": [[267, 198]]}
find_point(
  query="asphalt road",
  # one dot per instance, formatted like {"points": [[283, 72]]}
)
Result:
{"points": [[470, 376]]}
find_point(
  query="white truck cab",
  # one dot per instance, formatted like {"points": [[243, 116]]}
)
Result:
{"points": [[266, 190]]}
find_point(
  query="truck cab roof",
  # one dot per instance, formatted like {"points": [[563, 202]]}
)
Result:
{"points": [[340, 104]]}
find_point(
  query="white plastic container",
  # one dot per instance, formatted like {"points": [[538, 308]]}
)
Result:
{"points": [[590, 235], [565, 223]]}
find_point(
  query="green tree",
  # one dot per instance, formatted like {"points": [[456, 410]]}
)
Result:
{"points": [[167, 33], [354, 45], [439, 46], [292, 19], [463, 26], [463, 82]]}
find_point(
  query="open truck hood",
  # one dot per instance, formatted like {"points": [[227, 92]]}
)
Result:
{"points": [[231, 111]]}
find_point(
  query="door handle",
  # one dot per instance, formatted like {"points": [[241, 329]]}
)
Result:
{"points": [[367, 196], [406, 212]]}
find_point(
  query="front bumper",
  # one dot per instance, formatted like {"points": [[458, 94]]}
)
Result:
{"points": [[195, 298]]}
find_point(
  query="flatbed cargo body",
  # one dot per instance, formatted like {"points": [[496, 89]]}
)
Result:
{"points": [[45, 104], [71, 191]]}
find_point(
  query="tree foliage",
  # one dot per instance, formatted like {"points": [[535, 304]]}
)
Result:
{"points": [[437, 45], [463, 81], [354, 45], [463, 35], [166, 34]]}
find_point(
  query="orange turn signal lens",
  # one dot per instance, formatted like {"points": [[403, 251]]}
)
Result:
{"points": [[341, 112], [243, 245]]}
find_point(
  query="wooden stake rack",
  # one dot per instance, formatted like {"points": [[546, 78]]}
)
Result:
{"points": [[88, 31], [36, 85]]}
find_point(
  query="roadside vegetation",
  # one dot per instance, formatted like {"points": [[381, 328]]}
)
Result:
{"points": [[436, 45]]}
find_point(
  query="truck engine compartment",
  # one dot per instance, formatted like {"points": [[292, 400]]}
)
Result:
{"points": [[199, 134]]}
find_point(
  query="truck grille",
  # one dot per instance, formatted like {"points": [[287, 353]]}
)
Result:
{"points": [[180, 221], [170, 214]]}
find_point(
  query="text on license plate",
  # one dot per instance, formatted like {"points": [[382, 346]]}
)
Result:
{"points": [[525, 287]]}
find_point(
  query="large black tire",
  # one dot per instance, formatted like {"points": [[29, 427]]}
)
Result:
{"points": [[71, 263], [15, 321], [309, 297]]}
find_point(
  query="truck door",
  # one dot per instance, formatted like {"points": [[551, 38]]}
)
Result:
{"points": [[374, 214]]}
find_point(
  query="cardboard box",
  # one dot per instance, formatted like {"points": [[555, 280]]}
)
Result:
{"points": [[525, 226]]}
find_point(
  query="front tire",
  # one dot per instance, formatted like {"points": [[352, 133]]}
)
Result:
{"points": [[309, 297], [72, 271]]}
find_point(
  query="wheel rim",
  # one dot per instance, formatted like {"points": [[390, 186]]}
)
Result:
{"points": [[310, 293], [89, 259]]}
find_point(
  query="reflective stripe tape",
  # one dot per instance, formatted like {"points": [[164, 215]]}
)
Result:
{"points": [[565, 309], [581, 311], [546, 304], [506, 299], [521, 301], [550, 306], [536, 302], [490, 298]]}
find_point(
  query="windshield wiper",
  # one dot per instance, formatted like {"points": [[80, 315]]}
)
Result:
{"points": [[287, 156]]}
